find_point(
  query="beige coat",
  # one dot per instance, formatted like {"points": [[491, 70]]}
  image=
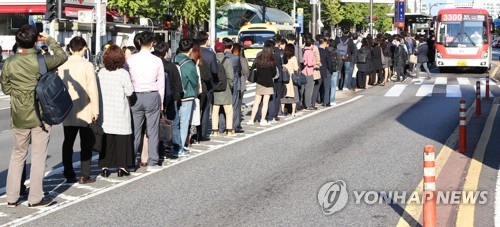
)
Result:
{"points": [[79, 77], [291, 66]]}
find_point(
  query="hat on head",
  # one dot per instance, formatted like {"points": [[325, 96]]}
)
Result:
{"points": [[219, 47]]}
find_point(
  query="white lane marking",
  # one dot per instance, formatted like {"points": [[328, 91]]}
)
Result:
{"points": [[483, 91], [63, 196], [419, 80], [483, 81], [497, 200], [425, 90], [453, 91], [441, 80], [396, 90], [3, 214], [463, 80], [5, 108], [248, 95], [91, 194]]}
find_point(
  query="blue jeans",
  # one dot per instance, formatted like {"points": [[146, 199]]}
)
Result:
{"points": [[333, 86], [176, 132], [348, 74], [185, 114]]}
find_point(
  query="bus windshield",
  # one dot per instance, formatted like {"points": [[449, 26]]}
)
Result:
{"points": [[462, 33], [255, 39]]}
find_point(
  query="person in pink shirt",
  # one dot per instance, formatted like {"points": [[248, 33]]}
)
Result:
{"points": [[148, 79], [309, 64]]}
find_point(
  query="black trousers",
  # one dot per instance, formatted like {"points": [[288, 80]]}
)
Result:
{"points": [[87, 141], [206, 103], [361, 79]]}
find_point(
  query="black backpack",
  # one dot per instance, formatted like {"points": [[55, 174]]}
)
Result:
{"points": [[221, 83], [361, 56], [51, 96], [334, 56]]}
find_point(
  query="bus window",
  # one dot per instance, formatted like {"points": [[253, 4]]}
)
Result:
{"points": [[255, 38]]}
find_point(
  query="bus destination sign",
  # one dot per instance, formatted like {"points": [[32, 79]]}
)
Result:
{"points": [[462, 17]]}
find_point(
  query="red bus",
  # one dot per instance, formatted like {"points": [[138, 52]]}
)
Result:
{"points": [[463, 39]]}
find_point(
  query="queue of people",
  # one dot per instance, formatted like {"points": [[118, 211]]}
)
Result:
{"points": [[199, 89]]}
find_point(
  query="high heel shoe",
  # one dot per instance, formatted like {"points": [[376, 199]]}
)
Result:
{"points": [[123, 172], [105, 172]]}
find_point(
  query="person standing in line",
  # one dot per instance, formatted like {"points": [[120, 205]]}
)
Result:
{"points": [[377, 75], [78, 75], [308, 70], [236, 80], [275, 100], [18, 80], [224, 98], [431, 54], [189, 78], [245, 71], [385, 62], [363, 65], [292, 91], [129, 51], [115, 89], [208, 55], [325, 70], [148, 78], [336, 66], [422, 58], [347, 50], [399, 59], [264, 77]]}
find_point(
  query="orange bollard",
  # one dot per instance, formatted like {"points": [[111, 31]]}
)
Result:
{"points": [[487, 90], [429, 187], [478, 99], [463, 127]]}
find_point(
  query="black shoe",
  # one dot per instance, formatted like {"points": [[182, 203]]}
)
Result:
{"points": [[240, 131], [204, 139], [46, 201], [71, 180], [328, 105], [122, 172], [105, 173], [13, 205]]}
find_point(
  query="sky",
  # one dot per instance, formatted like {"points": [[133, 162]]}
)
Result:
{"points": [[435, 9]]}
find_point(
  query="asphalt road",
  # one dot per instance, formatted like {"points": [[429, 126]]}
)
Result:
{"points": [[273, 178]]}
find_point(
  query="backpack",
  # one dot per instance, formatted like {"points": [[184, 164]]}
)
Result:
{"points": [[342, 47], [221, 83], [51, 96], [361, 56], [333, 54]]}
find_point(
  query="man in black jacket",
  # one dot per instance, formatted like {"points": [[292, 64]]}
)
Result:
{"points": [[325, 70], [275, 102], [208, 56], [399, 58]]}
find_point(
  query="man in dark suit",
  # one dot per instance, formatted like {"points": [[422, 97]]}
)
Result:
{"points": [[325, 70], [275, 102], [208, 55]]}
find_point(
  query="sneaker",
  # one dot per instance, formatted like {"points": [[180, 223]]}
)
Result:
{"points": [[231, 133], [265, 123], [46, 201], [184, 153], [13, 205], [333, 104], [215, 133], [249, 122], [186, 149], [154, 168]]}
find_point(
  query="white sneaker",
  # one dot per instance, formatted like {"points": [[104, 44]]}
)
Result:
{"points": [[265, 123], [333, 104], [249, 122]]}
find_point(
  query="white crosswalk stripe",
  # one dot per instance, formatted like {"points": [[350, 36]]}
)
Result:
{"points": [[455, 87], [4, 96]]}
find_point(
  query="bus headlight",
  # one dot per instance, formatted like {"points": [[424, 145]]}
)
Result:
{"points": [[438, 55], [485, 54]]}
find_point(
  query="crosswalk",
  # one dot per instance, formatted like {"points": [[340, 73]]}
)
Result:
{"points": [[451, 87], [4, 96]]}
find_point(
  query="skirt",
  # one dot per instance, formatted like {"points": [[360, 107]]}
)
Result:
{"points": [[261, 90], [291, 100], [117, 151]]}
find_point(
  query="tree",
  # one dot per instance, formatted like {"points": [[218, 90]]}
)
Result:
{"points": [[333, 11], [383, 23], [143, 8]]}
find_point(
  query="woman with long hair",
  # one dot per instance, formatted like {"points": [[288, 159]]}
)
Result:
{"points": [[292, 91], [266, 71]]}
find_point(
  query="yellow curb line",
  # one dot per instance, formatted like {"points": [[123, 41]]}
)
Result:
{"points": [[465, 216], [415, 209]]}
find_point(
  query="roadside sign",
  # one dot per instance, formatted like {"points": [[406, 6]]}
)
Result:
{"points": [[300, 19], [399, 15]]}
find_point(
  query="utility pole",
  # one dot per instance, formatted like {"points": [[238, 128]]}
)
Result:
{"points": [[212, 26], [371, 17], [314, 17]]}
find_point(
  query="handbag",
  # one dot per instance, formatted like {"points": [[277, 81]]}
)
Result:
{"points": [[166, 128], [413, 59], [299, 78], [98, 135], [361, 56], [251, 75], [286, 75]]}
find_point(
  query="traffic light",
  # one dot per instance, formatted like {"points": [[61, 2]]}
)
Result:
{"points": [[54, 9]]}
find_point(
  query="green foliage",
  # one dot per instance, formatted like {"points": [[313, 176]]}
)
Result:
{"points": [[333, 11]]}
